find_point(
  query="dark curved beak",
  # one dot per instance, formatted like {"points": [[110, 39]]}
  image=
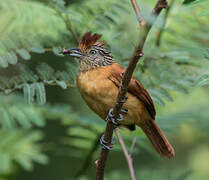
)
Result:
{"points": [[74, 52]]}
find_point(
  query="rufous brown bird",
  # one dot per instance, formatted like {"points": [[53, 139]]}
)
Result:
{"points": [[98, 82]]}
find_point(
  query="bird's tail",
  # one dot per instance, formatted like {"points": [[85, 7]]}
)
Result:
{"points": [[158, 139]]}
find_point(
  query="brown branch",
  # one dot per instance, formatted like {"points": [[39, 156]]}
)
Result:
{"points": [[127, 156], [137, 54], [162, 28]]}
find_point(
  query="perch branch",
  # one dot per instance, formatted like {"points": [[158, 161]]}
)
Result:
{"points": [[127, 156], [137, 54]]}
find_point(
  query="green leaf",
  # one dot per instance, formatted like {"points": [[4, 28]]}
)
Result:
{"points": [[29, 93], [202, 81], [162, 93], [15, 111], [24, 54], [20, 147], [45, 72], [185, 2], [62, 84], [33, 116], [26, 164], [20, 116], [3, 62], [37, 49], [158, 100], [57, 50], [11, 58], [40, 93], [7, 124]]}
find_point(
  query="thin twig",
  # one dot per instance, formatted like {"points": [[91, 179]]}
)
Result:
{"points": [[162, 28], [137, 54], [20, 86], [138, 14], [66, 19], [132, 147], [127, 156]]}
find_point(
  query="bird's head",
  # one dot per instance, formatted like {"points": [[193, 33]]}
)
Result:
{"points": [[90, 52]]}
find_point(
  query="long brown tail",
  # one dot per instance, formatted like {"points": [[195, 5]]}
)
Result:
{"points": [[158, 139]]}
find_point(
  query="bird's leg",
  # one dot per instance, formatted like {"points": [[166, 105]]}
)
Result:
{"points": [[105, 144], [111, 118]]}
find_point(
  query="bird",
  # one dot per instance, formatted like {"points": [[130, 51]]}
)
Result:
{"points": [[98, 82]]}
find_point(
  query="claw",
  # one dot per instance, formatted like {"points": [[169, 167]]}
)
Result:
{"points": [[121, 75], [123, 110], [106, 145], [112, 119], [124, 100]]}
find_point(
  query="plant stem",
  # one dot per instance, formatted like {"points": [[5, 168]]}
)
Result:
{"points": [[127, 156]]}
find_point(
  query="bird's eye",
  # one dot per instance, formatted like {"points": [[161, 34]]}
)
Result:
{"points": [[93, 52]]}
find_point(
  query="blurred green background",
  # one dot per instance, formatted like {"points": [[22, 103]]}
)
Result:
{"points": [[46, 129]]}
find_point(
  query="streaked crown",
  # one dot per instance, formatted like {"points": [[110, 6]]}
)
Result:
{"points": [[89, 40]]}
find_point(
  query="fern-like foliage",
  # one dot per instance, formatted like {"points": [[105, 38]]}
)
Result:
{"points": [[33, 83], [33, 29], [19, 147], [17, 113], [27, 16], [94, 15]]}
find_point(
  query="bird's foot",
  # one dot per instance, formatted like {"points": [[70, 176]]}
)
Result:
{"points": [[121, 74], [105, 144], [124, 99], [112, 119]]}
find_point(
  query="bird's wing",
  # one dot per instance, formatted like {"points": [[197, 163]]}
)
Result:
{"points": [[135, 88]]}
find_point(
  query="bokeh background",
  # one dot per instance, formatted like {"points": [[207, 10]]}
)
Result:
{"points": [[46, 129]]}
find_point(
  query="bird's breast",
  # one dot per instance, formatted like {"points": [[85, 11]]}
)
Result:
{"points": [[97, 90], [95, 84], [100, 94]]}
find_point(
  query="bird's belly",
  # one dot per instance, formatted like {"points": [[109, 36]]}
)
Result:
{"points": [[100, 95], [101, 102]]}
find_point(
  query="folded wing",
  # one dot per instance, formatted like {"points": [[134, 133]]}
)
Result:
{"points": [[135, 88]]}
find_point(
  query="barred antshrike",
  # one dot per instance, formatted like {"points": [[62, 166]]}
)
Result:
{"points": [[98, 82]]}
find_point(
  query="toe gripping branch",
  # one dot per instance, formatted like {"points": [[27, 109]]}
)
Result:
{"points": [[105, 144], [111, 118]]}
